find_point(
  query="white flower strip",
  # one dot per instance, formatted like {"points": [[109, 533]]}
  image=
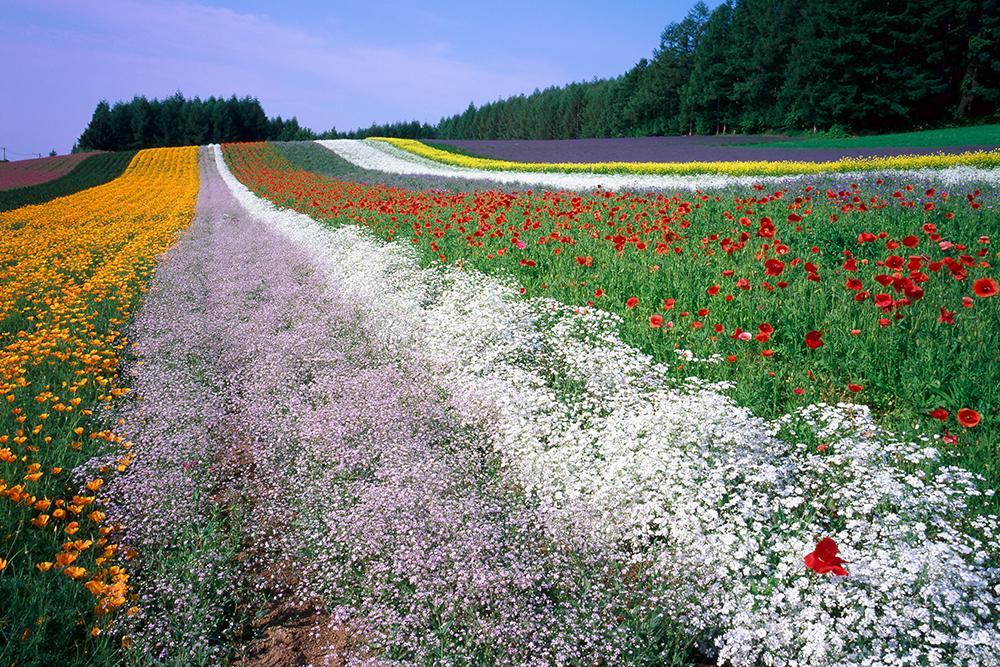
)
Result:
{"points": [[704, 492], [384, 157]]}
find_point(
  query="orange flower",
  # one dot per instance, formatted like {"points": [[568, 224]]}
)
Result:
{"points": [[65, 558], [75, 572], [44, 566]]}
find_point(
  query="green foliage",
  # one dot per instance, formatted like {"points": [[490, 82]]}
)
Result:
{"points": [[92, 171], [975, 135], [176, 121], [770, 65]]}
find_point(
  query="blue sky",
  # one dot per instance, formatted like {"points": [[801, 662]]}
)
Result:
{"points": [[328, 63]]}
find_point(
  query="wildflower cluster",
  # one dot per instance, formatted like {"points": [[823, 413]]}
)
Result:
{"points": [[843, 293], [817, 537]]}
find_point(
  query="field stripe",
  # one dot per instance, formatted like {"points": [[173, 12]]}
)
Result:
{"points": [[977, 158], [97, 169], [25, 173], [382, 156]]}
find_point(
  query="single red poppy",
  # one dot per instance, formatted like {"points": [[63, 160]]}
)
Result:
{"points": [[985, 287], [598, 292], [655, 321], [968, 417], [824, 559], [774, 267], [940, 414], [632, 302], [947, 316], [814, 339], [855, 387], [713, 290]]}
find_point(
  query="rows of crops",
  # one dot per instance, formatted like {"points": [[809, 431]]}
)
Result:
{"points": [[93, 170], [342, 412], [25, 173]]}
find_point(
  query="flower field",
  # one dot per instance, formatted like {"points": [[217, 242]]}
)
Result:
{"points": [[72, 272], [358, 406], [737, 304]]}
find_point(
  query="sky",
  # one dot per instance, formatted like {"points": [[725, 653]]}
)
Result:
{"points": [[330, 64]]}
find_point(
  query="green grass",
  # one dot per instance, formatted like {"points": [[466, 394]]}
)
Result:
{"points": [[95, 170], [977, 135]]}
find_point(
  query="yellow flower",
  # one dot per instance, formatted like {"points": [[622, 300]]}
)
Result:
{"points": [[44, 566], [74, 572]]}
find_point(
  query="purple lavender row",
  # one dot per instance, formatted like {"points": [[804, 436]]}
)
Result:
{"points": [[271, 429], [677, 149]]}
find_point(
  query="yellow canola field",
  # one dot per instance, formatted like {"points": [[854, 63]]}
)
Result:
{"points": [[71, 272], [983, 159]]}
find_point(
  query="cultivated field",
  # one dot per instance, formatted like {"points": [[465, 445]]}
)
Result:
{"points": [[372, 402], [745, 148], [24, 173]]}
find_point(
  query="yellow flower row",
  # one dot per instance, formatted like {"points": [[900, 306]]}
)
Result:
{"points": [[984, 159], [71, 272]]}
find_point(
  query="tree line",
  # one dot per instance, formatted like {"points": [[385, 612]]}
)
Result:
{"points": [[851, 66], [177, 121]]}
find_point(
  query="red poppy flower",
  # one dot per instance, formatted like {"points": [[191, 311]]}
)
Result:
{"points": [[598, 292], [968, 417], [798, 391], [947, 316], [655, 321], [824, 559], [940, 414], [985, 287], [855, 387], [883, 301], [713, 290], [632, 302], [774, 267], [668, 304], [814, 339]]}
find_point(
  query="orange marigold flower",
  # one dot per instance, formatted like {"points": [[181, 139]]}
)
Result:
{"points": [[74, 572]]}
